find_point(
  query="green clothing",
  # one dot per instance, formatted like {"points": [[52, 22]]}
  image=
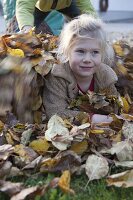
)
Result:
{"points": [[25, 9]]}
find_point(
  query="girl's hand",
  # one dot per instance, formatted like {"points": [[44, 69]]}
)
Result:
{"points": [[96, 118]]}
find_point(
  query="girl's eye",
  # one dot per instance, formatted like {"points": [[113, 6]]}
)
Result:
{"points": [[80, 51], [95, 52]]}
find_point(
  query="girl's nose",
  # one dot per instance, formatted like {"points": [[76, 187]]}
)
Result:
{"points": [[87, 57]]}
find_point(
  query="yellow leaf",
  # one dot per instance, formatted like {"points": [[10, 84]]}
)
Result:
{"points": [[15, 52], [117, 137], [40, 146], [50, 162], [79, 147], [126, 106], [118, 49], [97, 131], [121, 68], [1, 125], [9, 138], [26, 153], [64, 182]]}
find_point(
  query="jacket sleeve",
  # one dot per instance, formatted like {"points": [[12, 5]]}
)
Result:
{"points": [[55, 97], [25, 12], [86, 7]]}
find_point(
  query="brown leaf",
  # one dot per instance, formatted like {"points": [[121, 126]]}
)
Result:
{"points": [[10, 188], [27, 192], [79, 147], [5, 169], [64, 182], [67, 160], [40, 146], [124, 179]]}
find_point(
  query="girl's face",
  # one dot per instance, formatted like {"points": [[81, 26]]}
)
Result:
{"points": [[85, 57]]}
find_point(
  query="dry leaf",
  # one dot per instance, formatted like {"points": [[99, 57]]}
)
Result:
{"points": [[40, 146], [118, 49], [124, 179], [5, 169], [26, 193], [10, 188], [64, 182], [5, 151], [15, 52], [128, 164], [123, 150], [25, 153], [57, 133], [127, 130], [25, 138], [96, 167], [79, 147]]}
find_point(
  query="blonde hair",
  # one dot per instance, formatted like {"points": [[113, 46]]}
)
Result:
{"points": [[81, 27]]}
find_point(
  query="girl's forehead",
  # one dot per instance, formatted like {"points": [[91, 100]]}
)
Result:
{"points": [[87, 42]]}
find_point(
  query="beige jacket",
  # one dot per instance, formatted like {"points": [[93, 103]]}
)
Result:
{"points": [[60, 88]]}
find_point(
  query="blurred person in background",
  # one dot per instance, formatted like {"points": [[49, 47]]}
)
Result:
{"points": [[8, 9], [31, 13]]}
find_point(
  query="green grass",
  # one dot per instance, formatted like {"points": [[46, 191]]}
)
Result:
{"points": [[95, 190]]}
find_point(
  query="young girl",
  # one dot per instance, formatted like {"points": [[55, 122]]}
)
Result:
{"points": [[82, 50]]}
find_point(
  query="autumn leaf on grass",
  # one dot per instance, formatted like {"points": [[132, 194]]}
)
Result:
{"points": [[96, 167], [64, 182], [40, 145], [10, 188], [124, 179], [30, 193], [57, 133]]}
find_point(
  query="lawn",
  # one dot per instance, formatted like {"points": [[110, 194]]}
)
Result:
{"points": [[95, 190]]}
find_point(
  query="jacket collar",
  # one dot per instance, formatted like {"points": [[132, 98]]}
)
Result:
{"points": [[103, 77]]}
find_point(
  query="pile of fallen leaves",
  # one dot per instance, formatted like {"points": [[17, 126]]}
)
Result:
{"points": [[124, 65], [61, 146], [64, 147], [24, 61]]}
